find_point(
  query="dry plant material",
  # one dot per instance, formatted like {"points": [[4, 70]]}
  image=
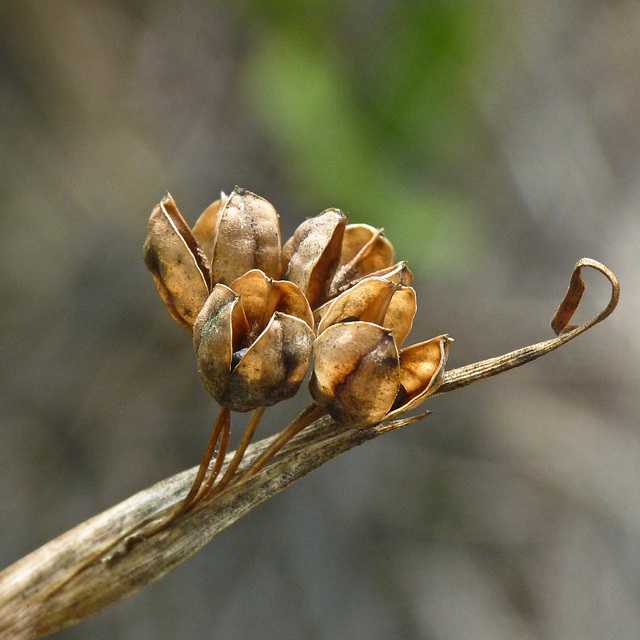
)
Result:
{"points": [[254, 334], [257, 314], [253, 341], [234, 235], [310, 258], [364, 251], [170, 242], [360, 374]]}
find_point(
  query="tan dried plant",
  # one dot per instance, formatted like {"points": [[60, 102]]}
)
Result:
{"points": [[333, 299]]}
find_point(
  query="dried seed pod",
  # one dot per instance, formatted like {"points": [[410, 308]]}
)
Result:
{"points": [[367, 301], [247, 236], [421, 371], [253, 341], [273, 367], [310, 258], [400, 313], [172, 254], [398, 273], [364, 251], [358, 377], [361, 379], [204, 229], [356, 372], [372, 299], [262, 297], [233, 235]]}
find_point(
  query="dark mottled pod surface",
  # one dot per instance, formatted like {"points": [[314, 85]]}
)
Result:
{"points": [[253, 341]]}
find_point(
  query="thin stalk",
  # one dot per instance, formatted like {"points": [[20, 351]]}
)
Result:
{"points": [[222, 452], [312, 413], [192, 496], [240, 451]]}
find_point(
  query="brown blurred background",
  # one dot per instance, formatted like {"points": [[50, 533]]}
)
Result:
{"points": [[497, 143]]}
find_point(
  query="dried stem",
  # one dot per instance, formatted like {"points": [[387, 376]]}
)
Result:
{"points": [[312, 413], [221, 430], [220, 458], [112, 556], [240, 451], [471, 373]]}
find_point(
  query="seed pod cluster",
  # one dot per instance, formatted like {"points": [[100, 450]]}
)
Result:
{"points": [[260, 312]]}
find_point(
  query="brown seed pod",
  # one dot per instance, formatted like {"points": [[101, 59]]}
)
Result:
{"points": [[247, 236], [364, 251], [356, 372], [172, 254], [253, 342], [360, 376], [373, 299], [204, 229], [421, 371], [233, 235], [398, 274], [310, 258], [262, 297]]}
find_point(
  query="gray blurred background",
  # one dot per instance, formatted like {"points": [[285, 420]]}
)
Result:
{"points": [[496, 142]]}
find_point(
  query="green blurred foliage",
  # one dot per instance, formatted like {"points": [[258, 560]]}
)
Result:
{"points": [[371, 129]]}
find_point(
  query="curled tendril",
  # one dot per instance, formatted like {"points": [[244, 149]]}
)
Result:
{"points": [[560, 322], [565, 332]]}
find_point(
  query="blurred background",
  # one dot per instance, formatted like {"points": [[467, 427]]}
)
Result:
{"points": [[497, 143]]}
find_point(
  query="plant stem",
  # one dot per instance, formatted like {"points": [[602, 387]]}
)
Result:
{"points": [[112, 556], [221, 427]]}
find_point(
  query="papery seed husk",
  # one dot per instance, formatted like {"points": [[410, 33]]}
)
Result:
{"points": [[421, 371], [286, 297], [253, 287], [400, 313], [262, 296], [204, 229], [213, 338], [273, 367], [379, 256], [356, 374], [310, 258], [247, 237], [398, 273], [367, 301], [375, 257], [172, 255]]}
